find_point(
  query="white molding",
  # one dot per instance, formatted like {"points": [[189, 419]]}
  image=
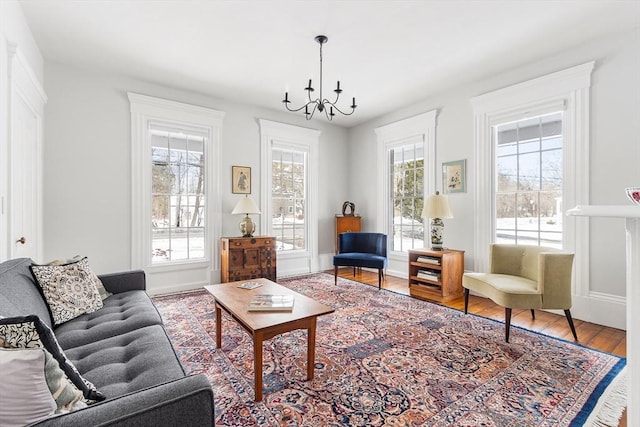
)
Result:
{"points": [[305, 140], [146, 110], [568, 90], [422, 127]]}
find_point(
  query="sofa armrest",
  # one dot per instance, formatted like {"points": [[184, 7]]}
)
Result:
{"points": [[187, 401], [134, 280]]}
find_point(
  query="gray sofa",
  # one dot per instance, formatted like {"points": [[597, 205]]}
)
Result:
{"points": [[122, 349]]}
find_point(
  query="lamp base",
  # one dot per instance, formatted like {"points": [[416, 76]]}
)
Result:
{"points": [[437, 230], [247, 227]]}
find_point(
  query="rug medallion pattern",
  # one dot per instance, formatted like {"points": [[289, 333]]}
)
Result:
{"points": [[387, 359]]}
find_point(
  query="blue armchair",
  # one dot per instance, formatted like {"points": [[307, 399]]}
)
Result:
{"points": [[367, 250]]}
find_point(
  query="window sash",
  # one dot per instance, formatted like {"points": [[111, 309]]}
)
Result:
{"points": [[528, 181], [289, 198]]}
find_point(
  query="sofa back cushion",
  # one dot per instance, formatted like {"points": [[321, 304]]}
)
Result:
{"points": [[19, 294]]}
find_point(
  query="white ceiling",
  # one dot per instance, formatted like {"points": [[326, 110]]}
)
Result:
{"points": [[387, 54]]}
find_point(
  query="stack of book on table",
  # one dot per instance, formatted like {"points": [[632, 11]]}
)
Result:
{"points": [[429, 275], [428, 260], [271, 302]]}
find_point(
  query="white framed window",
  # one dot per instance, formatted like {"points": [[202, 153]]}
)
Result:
{"points": [[289, 197], [174, 168], [406, 191], [407, 158], [289, 183], [559, 104], [529, 181], [178, 195]]}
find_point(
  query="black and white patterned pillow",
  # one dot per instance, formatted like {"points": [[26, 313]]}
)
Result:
{"points": [[70, 290], [31, 332], [104, 294]]}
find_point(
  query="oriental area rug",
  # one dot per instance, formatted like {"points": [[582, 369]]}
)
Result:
{"points": [[385, 359]]}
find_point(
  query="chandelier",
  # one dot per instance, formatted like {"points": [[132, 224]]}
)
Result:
{"points": [[320, 104]]}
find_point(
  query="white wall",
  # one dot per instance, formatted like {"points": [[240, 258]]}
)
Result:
{"points": [[87, 163], [615, 149]]}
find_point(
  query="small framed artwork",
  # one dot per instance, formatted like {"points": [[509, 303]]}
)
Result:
{"points": [[240, 180], [454, 179]]}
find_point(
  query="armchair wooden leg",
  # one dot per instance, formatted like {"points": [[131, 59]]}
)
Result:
{"points": [[379, 278], [354, 272], [570, 320], [466, 300], [335, 274], [533, 314], [507, 323]]}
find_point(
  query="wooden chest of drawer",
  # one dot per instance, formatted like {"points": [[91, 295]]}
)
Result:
{"points": [[244, 258]]}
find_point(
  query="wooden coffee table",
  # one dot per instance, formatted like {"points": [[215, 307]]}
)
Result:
{"points": [[264, 325]]}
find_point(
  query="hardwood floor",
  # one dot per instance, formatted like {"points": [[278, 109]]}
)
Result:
{"points": [[598, 337]]}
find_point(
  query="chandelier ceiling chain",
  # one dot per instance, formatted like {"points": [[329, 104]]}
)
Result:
{"points": [[320, 104]]}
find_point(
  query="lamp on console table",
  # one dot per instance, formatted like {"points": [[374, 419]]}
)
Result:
{"points": [[437, 207], [246, 206]]}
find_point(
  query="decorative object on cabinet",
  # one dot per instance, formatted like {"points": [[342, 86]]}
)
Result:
{"points": [[246, 206], [245, 258], [359, 250], [633, 193], [348, 205], [321, 104], [528, 277], [436, 208], [240, 180], [454, 177], [347, 224], [436, 275]]}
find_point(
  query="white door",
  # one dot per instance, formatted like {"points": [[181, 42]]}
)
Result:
{"points": [[26, 112], [24, 181]]}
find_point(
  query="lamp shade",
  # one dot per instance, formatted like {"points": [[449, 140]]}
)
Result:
{"points": [[246, 206], [437, 206]]}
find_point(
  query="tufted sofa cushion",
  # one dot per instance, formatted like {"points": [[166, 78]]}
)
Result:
{"points": [[128, 362], [120, 314]]}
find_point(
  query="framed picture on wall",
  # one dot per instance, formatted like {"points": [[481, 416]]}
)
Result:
{"points": [[240, 180], [454, 177]]}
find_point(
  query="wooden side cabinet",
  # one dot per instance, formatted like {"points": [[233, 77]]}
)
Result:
{"points": [[244, 258], [346, 224], [436, 275]]}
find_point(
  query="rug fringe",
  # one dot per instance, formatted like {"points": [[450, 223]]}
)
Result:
{"points": [[611, 404]]}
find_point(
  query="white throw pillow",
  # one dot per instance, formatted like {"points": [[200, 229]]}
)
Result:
{"points": [[24, 394]]}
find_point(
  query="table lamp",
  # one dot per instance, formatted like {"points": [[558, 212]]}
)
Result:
{"points": [[246, 206], [437, 207]]}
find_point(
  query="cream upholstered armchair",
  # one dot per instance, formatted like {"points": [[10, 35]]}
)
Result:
{"points": [[525, 277]]}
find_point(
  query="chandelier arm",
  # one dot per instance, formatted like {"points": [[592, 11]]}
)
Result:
{"points": [[310, 115], [298, 109], [342, 112]]}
